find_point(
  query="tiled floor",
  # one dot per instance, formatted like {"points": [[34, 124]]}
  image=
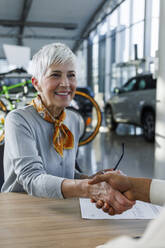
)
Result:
{"points": [[106, 149]]}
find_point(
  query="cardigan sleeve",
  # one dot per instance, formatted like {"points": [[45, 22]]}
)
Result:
{"points": [[25, 166]]}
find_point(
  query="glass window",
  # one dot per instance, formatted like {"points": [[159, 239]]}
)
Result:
{"points": [[82, 65], [101, 62], [103, 28], [137, 38], [155, 8], [138, 10], [118, 55], [154, 27], [131, 71], [142, 84], [125, 13], [154, 36], [127, 44], [113, 46], [123, 45], [130, 86], [114, 81], [89, 62], [147, 83], [124, 72], [95, 59], [113, 20]]}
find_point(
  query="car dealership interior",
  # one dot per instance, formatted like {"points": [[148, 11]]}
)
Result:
{"points": [[119, 101]]}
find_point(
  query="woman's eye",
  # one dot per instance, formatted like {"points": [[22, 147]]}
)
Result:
{"points": [[71, 75], [56, 75]]}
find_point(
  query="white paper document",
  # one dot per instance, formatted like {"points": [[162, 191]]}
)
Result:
{"points": [[141, 210]]}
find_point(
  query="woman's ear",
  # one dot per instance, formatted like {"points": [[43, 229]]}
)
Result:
{"points": [[36, 84]]}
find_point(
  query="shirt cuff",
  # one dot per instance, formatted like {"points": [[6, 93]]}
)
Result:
{"points": [[157, 192], [53, 187]]}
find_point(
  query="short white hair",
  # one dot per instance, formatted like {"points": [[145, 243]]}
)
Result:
{"points": [[55, 53]]}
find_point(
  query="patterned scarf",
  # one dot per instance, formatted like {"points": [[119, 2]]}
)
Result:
{"points": [[62, 137]]}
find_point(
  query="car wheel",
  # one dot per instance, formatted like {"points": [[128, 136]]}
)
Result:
{"points": [[110, 123], [148, 122]]}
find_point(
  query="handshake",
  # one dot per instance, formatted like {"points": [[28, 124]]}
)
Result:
{"points": [[115, 193]]}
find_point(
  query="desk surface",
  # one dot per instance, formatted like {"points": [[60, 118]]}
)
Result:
{"points": [[27, 222]]}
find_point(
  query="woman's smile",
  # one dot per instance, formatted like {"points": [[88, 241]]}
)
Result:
{"points": [[62, 93]]}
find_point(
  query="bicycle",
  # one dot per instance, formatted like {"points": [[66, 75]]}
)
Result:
{"points": [[89, 127], [8, 103]]}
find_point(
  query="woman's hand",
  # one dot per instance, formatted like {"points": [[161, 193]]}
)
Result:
{"points": [[100, 203], [104, 206], [109, 199], [114, 201]]}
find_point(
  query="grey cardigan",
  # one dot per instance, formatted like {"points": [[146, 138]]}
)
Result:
{"points": [[31, 164]]}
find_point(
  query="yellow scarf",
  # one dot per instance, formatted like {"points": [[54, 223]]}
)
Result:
{"points": [[62, 137]]}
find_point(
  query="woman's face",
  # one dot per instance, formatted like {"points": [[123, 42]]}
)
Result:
{"points": [[57, 87]]}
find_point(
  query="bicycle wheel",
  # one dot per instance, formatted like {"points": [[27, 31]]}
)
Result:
{"points": [[81, 119], [91, 113], [3, 112]]}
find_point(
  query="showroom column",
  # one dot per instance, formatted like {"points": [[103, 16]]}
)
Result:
{"points": [[160, 107]]}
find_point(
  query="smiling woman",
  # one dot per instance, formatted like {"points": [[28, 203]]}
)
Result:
{"points": [[41, 140], [57, 87]]}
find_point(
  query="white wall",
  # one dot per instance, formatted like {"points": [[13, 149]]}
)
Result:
{"points": [[160, 108]]}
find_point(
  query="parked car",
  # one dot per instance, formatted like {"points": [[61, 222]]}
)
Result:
{"points": [[134, 103]]}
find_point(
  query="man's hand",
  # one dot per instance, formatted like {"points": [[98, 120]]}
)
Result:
{"points": [[120, 184], [108, 198], [96, 174], [101, 172]]}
